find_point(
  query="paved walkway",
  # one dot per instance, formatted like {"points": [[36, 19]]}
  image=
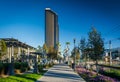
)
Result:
{"points": [[60, 73]]}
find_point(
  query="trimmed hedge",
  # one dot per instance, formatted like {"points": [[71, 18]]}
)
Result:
{"points": [[4, 68], [17, 65], [111, 73], [22, 66], [40, 68]]}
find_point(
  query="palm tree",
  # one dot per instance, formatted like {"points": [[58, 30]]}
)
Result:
{"points": [[58, 50], [66, 51], [67, 44]]}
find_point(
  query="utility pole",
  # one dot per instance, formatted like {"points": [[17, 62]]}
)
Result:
{"points": [[110, 46], [74, 54]]}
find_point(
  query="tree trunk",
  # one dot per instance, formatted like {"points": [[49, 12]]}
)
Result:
{"points": [[85, 61], [97, 70]]}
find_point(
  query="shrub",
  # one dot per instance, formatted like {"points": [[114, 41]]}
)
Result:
{"points": [[22, 66], [23, 69], [40, 68], [1, 67], [25, 64], [112, 73], [17, 65], [91, 76], [46, 66], [50, 64], [4, 67]]}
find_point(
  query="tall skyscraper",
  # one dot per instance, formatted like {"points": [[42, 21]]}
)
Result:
{"points": [[51, 28]]}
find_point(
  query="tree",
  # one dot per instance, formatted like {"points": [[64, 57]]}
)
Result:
{"points": [[39, 50], [76, 52], [58, 45], [77, 55], [83, 47], [67, 48], [3, 48], [67, 43], [45, 48], [52, 53], [58, 48], [96, 44]]}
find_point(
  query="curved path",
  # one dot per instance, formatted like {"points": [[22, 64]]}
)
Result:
{"points": [[60, 73]]}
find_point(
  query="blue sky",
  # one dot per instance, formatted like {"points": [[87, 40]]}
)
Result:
{"points": [[24, 19]]}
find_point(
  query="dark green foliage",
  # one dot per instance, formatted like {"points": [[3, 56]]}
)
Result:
{"points": [[1, 66], [25, 64], [76, 52], [112, 73], [23, 69], [17, 65], [4, 68], [83, 47], [40, 68], [22, 66], [96, 44]]}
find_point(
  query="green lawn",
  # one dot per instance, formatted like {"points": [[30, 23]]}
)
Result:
{"points": [[22, 78]]}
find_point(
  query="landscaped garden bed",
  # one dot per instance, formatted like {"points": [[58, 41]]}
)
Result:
{"points": [[20, 73], [22, 78], [113, 73], [91, 76], [18, 68]]}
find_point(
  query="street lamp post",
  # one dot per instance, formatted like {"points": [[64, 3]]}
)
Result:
{"points": [[0, 48], [110, 52], [110, 48], [0, 44], [74, 54]]}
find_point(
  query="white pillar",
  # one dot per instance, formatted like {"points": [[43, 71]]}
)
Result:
{"points": [[18, 52], [28, 51], [28, 56], [12, 50], [10, 54]]}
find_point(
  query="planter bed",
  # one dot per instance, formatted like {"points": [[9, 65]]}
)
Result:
{"points": [[91, 76]]}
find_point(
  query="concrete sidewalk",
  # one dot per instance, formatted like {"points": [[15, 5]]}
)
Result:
{"points": [[60, 73]]}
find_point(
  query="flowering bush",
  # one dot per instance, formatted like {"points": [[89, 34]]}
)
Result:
{"points": [[111, 73], [91, 76]]}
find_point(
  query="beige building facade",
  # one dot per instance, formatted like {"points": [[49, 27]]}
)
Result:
{"points": [[51, 28]]}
